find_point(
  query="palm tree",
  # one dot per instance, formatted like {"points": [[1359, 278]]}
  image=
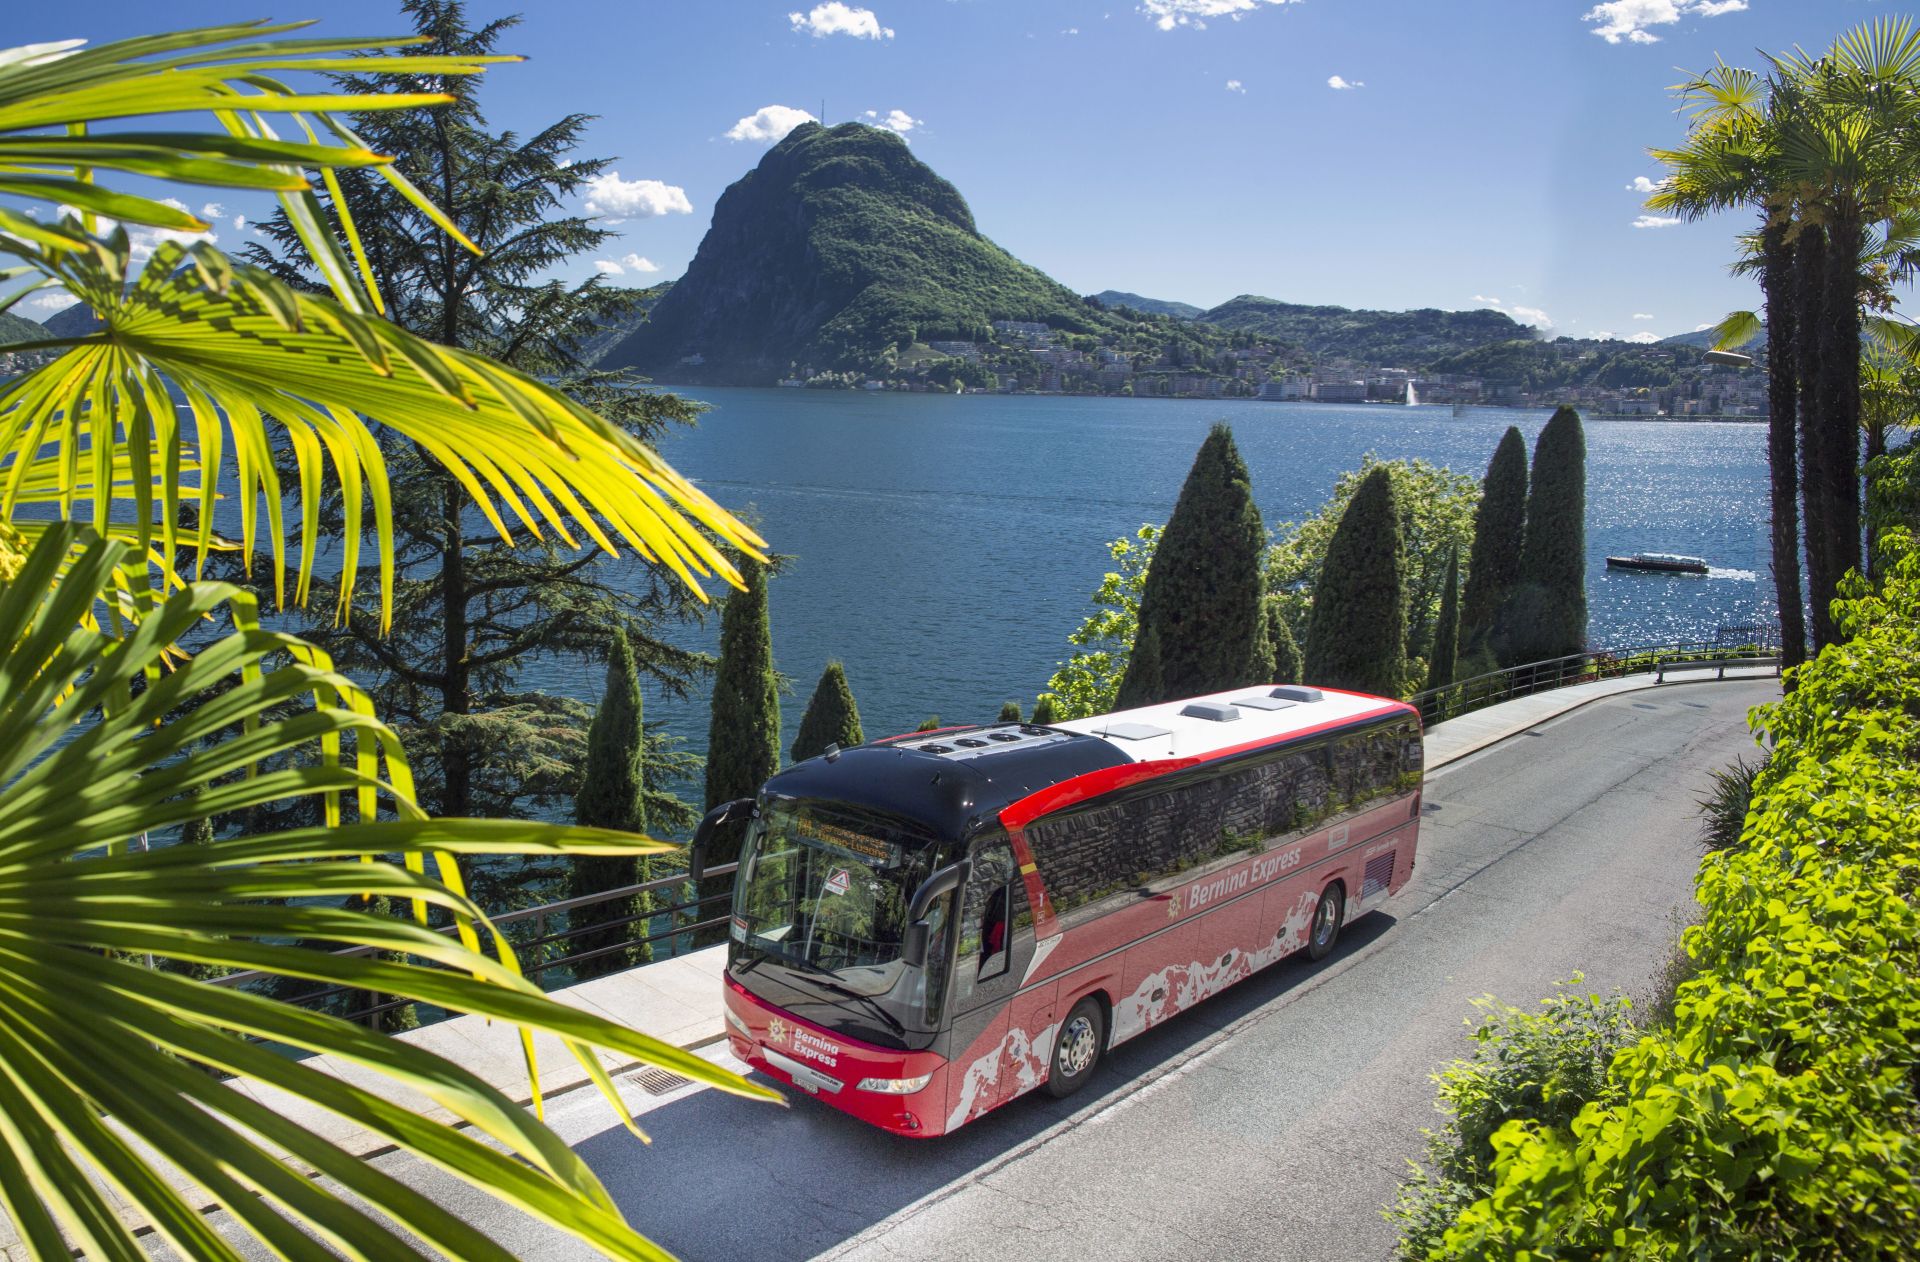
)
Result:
{"points": [[127, 711], [1726, 163], [1827, 147]]}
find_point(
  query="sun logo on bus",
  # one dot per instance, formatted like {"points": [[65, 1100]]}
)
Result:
{"points": [[1173, 906], [776, 1031]]}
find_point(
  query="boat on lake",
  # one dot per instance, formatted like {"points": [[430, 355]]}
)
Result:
{"points": [[1658, 563]]}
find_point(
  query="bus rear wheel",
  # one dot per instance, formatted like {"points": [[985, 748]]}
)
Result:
{"points": [[1077, 1048], [1327, 915]]}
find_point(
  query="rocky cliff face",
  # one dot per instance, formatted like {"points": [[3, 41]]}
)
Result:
{"points": [[837, 250]]}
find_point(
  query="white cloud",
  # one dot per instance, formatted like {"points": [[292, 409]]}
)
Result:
{"points": [[627, 263], [1701, 328], [58, 300], [1641, 184], [1234, 85], [1643, 337], [1491, 302], [239, 223], [617, 200], [1601, 335], [835, 18], [143, 241], [1641, 315], [1342, 85], [1532, 315], [1656, 221], [1628, 20], [1167, 14], [896, 120], [1071, 30], [213, 210], [769, 124]]}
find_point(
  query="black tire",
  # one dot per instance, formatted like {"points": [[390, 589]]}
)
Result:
{"points": [[1077, 1049], [1328, 915]]}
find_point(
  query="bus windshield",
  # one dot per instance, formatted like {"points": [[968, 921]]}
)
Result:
{"points": [[824, 890]]}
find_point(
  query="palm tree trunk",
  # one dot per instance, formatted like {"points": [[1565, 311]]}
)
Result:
{"points": [[1845, 241], [1813, 346], [1783, 456]]}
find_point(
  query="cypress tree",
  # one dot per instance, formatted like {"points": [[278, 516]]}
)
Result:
{"points": [[611, 795], [1446, 636], [831, 718], [1286, 651], [1044, 713], [1203, 625], [1010, 713], [1499, 525], [743, 735], [1546, 616], [1357, 634]]}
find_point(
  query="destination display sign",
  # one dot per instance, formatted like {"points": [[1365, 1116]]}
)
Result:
{"points": [[832, 836]]}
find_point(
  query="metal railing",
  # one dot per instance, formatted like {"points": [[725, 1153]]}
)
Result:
{"points": [[1754, 645], [538, 954]]}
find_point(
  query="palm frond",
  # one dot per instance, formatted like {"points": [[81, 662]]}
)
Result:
{"points": [[249, 360], [92, 1041]]}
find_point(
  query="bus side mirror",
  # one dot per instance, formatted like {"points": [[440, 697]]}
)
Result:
{"points": [[913, 943], [725, 813]]}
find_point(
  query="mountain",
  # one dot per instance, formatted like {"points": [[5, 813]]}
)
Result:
{"points": [[1405, 339], [836, 252], [613, 332], [1566, 361], [15, 328], [74, 321], [1152, 306], [1704, 340]]}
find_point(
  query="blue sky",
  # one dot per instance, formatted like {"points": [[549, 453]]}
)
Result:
{"points": [[1480, 151]]}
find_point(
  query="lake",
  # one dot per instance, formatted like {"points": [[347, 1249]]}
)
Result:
{"points": [[944, 546]]}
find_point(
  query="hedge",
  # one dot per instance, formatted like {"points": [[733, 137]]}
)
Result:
{"points": [[1777, 1116]]}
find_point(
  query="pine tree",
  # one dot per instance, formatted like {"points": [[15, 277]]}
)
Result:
{"points": [[1286, 650], [1010, 713], [1446, 636], [470, 608], [832, 718], [1493, 566], [1203, 624], [1546, 616], [1043, 710], [612, 795], [1356, 636]]}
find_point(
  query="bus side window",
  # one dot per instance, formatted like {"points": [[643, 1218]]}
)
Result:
{"points": [[994, 944]]}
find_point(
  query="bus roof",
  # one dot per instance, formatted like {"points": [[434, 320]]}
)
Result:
{"points": [[957, 779], [1195, 727]]}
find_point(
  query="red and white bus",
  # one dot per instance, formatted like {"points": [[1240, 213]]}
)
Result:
{"points": [[928, 926]]}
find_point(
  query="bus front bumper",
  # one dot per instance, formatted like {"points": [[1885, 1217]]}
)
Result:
{"points": [[901, 1092]]}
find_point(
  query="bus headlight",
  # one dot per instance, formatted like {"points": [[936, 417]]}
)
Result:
{"points": [[733, 1019], [895, 1086]]}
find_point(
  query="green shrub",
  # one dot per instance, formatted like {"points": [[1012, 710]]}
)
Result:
{"points": [[1723, 812], [1528, 1066], [1777, 1117]]}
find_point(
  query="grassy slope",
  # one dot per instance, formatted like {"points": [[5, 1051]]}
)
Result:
{"points": [[1397, 338]]}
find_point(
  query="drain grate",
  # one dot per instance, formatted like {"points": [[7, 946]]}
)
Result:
{"points": [[659, 1081]]}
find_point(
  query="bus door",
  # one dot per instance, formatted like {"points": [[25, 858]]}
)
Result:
{"points": [[1000, 1041]]}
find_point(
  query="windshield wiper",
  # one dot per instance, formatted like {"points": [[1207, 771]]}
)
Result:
{"points": [[829, 982]]}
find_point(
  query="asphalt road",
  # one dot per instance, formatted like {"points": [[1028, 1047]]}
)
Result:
{"points": [[1275, 1120]]}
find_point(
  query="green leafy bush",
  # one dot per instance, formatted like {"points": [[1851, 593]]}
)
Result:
{"points": [[1534, 1066], [1776, 1118]]}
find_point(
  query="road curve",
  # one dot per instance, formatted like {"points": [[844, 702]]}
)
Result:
{"points": [[1273, 1121]]}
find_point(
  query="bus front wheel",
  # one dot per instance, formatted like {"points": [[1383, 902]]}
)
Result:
{"points": [[1327, 915], [1077, 1048]]}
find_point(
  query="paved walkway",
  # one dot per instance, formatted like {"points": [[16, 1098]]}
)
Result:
{"points": [[678, 1000]]}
